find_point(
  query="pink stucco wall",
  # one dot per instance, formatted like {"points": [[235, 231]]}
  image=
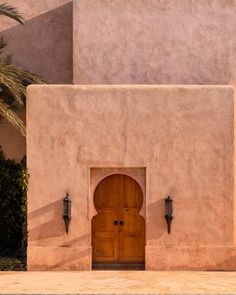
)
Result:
{"points": [[182, 137], [122, 42], [154, 42], [43, 46], [11, 140]]}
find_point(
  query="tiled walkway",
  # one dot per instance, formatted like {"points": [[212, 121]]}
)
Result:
{"points": [[118, 282]]}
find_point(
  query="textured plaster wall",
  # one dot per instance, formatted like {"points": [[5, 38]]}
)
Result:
{"points": [[122, 42], [11, 140], [155, 42], [43, 46], [182, 135]]}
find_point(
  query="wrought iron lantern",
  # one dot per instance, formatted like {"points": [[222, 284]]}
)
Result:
{"points": [[169, 212], [67, 211]]}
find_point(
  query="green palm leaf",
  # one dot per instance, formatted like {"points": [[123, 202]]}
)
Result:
{"points": [[12, 12]]}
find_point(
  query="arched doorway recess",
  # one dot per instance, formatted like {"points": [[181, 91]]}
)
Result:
{"points": [[118, 231]]}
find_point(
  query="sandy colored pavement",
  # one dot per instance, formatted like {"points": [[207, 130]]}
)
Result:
{"points": [[118, 282]]}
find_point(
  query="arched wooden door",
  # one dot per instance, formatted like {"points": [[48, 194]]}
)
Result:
{"points": [[118, 231]]}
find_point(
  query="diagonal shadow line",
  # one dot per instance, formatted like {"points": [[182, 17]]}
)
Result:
{"points": [[44, 45], [47, 208]]}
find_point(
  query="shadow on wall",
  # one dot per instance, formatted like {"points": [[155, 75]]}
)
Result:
{"points": [[11, 140], [70, 261], [53, 224], [156, 213], [44, 45]]}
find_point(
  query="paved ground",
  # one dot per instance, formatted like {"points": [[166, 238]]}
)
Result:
{"points": [[117, 282]]}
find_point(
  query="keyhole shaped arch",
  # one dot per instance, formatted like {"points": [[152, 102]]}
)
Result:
{"points": [[97, 175], [106, 178]]}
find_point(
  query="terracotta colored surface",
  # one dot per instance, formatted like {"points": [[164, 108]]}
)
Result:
{"points": [[183, 135], [44, 44], [154, 42], [100, 282], [11, 140], [131, 41]]}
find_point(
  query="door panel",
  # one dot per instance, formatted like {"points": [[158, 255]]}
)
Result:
{"points": [[130, 248], [104, 248], [104, 232], [132, 232], [118, 198]]}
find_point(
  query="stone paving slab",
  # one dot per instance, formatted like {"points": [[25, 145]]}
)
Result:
{"points": [[118, 282]]}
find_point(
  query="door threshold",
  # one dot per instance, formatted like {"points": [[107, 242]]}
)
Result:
{"points": [[118, 266]]}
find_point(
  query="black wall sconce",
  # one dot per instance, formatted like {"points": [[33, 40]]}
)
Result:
{"points": [[169, 212], [67, 211]]}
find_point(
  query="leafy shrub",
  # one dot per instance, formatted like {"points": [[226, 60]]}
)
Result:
{"points": [[13, 222], [11, 263]]}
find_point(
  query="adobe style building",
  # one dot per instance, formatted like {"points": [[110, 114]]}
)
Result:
{"points": [[148, 113]]}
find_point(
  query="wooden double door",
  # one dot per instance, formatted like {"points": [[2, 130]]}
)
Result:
{"points": [[118, 231]]}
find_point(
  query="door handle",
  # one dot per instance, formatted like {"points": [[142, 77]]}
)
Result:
{"points": [[121, 222], [115, 222]]}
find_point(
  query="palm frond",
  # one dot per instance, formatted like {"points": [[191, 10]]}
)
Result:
{"points": [[12, 12], [12, 117], [10, 82], [13, 81], [3, 44]]}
